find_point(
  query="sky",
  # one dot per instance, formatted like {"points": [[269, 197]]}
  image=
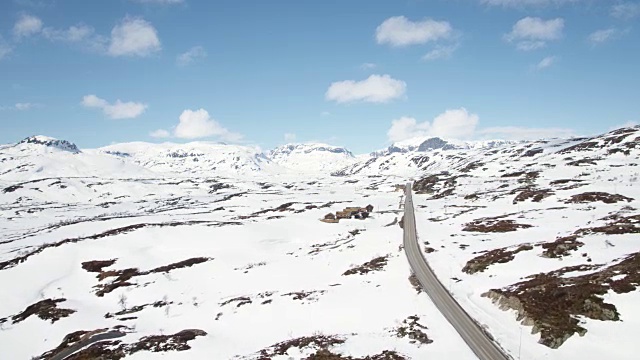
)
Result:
{"points": [[355, 73]]}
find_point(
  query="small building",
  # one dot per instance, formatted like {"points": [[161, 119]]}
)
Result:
{"points": [[343, 214], [369, 208], [330, 216]]}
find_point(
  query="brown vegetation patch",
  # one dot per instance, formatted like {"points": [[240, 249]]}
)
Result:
{"points": [[326, 354], [46, 309], [565, 181], [619, 225], [316, 341], [472, 166], [502, 255], [116, 350], [241, 300], [122, 230], [552, 303], [536, 195], [561, 246], [305, 295], [598, 196], [494, 224], [585, 161], [97, 265], [122, 277], [413, 280], [376, 264], [137, 308], [412, 329], [532, 152]]}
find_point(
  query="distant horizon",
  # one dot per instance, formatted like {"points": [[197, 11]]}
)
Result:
{"points": [[269, 73], [346, 147]]}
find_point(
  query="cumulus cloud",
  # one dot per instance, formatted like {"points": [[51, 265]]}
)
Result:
{"points": [[198, 124], [440, 52], [289, 137], [400, 31], [192, 55], [531, 33], [133, 37], [546, 62], [117, 110], [160, 133], [602, 36], [77, 33], [375, 89], [626, 10], [462, 125], [525, 133], [27, 25], [456, 124]]}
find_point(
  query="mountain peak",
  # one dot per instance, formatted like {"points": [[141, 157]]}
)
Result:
{"points": [[47, 141]]}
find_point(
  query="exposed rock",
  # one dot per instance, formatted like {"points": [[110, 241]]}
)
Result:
{"points": [[503, 255]]}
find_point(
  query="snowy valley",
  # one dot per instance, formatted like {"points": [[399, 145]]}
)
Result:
{"points": [[216, 251]]}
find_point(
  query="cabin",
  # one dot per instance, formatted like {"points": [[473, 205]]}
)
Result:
{"points": [[369, 208], [343, 214], [330, 216]]}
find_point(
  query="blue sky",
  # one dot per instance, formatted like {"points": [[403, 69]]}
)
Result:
{"points": [[358, 73]]}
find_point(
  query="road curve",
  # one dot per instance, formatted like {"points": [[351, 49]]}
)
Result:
{"points": [[477, 339], [86, 342]]}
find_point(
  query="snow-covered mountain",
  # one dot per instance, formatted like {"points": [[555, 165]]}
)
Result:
{"points": [[424, 144], [314, 158], [194, 159], [42, 157]]}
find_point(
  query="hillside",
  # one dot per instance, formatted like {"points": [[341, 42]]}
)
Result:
{"points": [[225, 255]]}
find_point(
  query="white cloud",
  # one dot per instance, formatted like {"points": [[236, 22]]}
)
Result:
{"points": [[630, 123], [75, 33], [198, 124], [523, 3], [133, 37], [288, 137], [460, 124], [440, 52], [26, 106], [625, 10], [159, 2], [530, 45], [531, 33], [368, 66], [191, 56], [21, 106], [376, 89], [160, 133], [27, 25], [546, 62], [524, 133], [117, 110], [5, 49], [325, 113], [456, 124], [601, 36], [400, 31]]}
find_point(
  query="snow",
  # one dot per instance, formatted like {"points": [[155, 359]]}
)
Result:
{"points": [[48, 194]]}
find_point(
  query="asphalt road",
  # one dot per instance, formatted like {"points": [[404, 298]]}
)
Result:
{"points": [[86, 342], [477, 339]]}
